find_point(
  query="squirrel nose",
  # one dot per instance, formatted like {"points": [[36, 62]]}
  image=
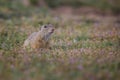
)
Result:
{"points": [[52, 30]]}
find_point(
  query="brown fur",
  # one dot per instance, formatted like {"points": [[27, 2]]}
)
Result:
{"points": [[39, 39]]}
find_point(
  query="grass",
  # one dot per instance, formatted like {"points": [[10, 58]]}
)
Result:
{"points": [[80, 50], [103, 5]]}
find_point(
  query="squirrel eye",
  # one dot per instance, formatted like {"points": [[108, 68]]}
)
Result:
{"points": [[45, 26]]}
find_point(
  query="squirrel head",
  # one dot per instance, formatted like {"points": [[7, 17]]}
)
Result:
{"points": [[46, 31]]}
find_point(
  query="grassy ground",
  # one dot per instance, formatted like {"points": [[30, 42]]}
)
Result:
{"points": [[83, 47]]}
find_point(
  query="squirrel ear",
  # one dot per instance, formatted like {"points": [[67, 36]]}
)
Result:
{"points": [[40, 27], [50, 25]]}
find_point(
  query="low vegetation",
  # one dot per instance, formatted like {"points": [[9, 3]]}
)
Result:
{"points": [[83, 47]]}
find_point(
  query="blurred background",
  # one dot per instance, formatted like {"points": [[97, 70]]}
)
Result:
{"points": [[102, 7], [85, 45]]}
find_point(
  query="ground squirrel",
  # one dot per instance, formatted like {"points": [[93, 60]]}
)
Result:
{"points": [[39, 39]]}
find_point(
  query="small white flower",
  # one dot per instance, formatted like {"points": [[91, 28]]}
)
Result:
{"points": [[74, 40]]}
